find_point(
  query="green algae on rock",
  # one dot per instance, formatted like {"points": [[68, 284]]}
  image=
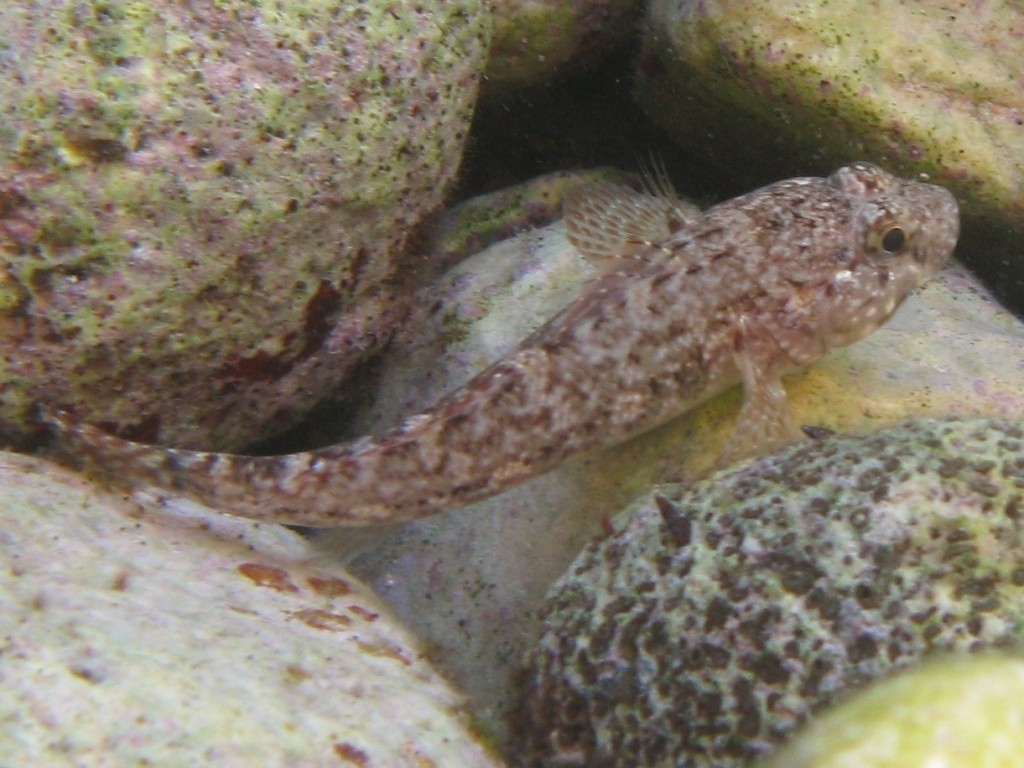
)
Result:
{"points": [[201, 204], [183, 637], [770, 87], [714, 619], [958, 712]]}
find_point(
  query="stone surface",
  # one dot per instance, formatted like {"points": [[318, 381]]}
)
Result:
{"points": [[715, 618], [954, 713], [769, 89], [536, 40], [153, 633], [201, 205], [469, 581]]}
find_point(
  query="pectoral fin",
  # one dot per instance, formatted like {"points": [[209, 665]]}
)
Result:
{"points": [[766, 420]]}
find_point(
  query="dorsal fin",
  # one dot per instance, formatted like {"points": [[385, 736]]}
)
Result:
{"points": [[612, 223], [655, 179]]}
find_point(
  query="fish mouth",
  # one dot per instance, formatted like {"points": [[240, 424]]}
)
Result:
{"points": [[939, 248]]}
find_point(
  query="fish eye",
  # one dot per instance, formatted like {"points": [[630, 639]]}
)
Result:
{"points": [[893, 239], [885, 239]]}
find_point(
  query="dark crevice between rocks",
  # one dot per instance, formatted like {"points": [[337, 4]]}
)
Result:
{"points": [[585, 119]]}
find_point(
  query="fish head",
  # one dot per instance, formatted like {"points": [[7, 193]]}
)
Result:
{"points": [[900, 233]]}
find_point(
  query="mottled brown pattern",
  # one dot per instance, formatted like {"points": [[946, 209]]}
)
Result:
{"points": [[749, 289]]}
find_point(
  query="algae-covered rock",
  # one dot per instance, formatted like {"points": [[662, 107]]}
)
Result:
{"points": [[201, 204], [162, 634], [716, 618], [536, 39], [960, 712], [775, 87]]}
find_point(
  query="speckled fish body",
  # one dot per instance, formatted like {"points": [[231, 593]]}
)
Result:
{"points": [[685, 307]]}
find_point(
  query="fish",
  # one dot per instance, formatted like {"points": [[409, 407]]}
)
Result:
{"points": [[684, 305]]}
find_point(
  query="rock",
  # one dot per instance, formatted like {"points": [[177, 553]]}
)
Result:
{"points": [[716, 618], [163, 634], [773, 88], [536, 40], [470, 581], [201, 207], [956, 712]]}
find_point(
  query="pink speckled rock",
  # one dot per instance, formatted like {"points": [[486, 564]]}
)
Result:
{"points": [[201, 204], [535, 40]]}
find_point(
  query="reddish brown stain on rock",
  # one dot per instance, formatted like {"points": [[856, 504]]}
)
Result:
{"points": [[385, 651], [120, 583], [329, 587], [321, 312], [351, 753], [267, 576], [319, 318], [296, 674], [320, 619], [259, 367], [363, 613]]}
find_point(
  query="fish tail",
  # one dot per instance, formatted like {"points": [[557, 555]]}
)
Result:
{"points": [[267, 488]]}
